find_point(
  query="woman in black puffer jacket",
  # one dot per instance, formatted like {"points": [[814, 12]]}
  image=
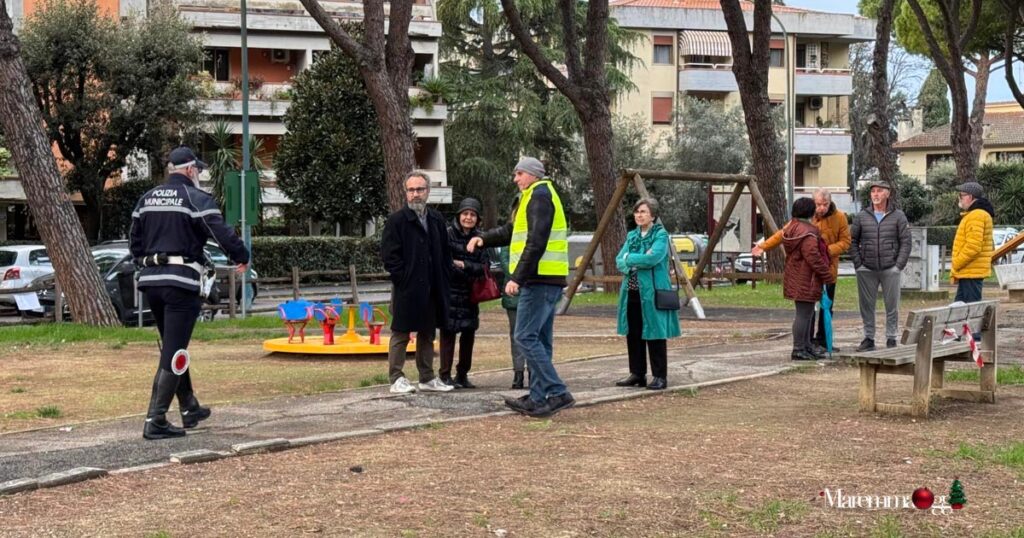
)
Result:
{"points": [[463, 314]]}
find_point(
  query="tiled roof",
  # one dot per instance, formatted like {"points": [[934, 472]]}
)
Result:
{"points": [[700, 4], [1004, 129]]}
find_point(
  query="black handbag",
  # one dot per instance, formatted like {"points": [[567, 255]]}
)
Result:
{"points": [[665, 299]]}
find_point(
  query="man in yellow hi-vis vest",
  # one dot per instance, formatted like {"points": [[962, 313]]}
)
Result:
{"points": [[539, 262]]}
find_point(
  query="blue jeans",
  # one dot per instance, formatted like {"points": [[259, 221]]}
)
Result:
{"points": [[535, 323]]}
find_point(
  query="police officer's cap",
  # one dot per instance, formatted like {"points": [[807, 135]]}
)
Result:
{"points": [[183, 156]]}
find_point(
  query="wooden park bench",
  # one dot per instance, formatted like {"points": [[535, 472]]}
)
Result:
{"points": [[923, 355]]}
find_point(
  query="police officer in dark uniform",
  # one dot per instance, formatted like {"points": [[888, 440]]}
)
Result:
{"points": [[170, 225]]}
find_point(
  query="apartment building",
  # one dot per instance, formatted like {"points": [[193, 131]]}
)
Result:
{"points": [[283, 40], [687, 52]]}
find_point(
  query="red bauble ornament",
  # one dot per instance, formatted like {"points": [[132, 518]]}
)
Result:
{"points": [[923, 498]]}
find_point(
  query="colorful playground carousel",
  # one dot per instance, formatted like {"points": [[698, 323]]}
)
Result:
{"points": [[297, 314]]}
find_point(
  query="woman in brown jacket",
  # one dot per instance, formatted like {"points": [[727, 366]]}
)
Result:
{"points": [[807, 270], [836, 232]]}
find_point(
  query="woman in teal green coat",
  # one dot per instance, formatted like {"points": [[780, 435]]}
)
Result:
{"points": [[643, 262]]}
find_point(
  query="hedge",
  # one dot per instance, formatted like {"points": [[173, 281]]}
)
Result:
{"points": [[274, 256], [941, 235]]}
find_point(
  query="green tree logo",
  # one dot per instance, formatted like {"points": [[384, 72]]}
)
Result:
{"points": [[957, 499]]}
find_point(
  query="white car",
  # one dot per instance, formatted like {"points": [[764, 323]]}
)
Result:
{"points": [[19, 266]]}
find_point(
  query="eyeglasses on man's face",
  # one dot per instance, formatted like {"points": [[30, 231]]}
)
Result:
{"points": [[416, 190]]}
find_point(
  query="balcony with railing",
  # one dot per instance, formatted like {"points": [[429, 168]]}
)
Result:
{"points": [[828, 81], [706, 77]]}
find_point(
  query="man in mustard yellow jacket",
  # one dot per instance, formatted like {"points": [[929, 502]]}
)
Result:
{"points": [[972, 246]]}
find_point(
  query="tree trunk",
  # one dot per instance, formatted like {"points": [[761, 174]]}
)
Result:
{"points": [[396, 134], [597, 137], [92, 221], [879, 128], [50, 202], [983, 72], [750, 66]]}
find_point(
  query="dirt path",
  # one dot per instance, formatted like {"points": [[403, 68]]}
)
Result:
{"points": [[745, 459]]}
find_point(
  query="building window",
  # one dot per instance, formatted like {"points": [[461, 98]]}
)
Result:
{"points": [[775, 57], [661, 110], [216, 64], [663, 49], [937, 158], [1010, 156]]}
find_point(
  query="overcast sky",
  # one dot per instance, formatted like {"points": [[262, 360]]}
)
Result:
{"points": [[997, 88]]}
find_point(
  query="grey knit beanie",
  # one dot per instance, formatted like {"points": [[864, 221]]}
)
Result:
{"points": [[531, 166]]}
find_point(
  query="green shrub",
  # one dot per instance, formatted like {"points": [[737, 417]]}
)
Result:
{"points": [[941, 235], [275, 256], [118, 204]]}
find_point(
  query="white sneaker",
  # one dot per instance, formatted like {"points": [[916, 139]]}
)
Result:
{"points": [[402, 386], [435, 385]]}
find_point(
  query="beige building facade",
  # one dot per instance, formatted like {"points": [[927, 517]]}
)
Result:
{"points": [[686, 52], [1002, 140]]}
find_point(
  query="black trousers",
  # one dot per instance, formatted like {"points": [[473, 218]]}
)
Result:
{"points": [[803, 325], [176, 311], [448, 352], [819, 338], [638, 348]]}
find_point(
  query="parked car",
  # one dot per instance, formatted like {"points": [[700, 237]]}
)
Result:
{"points": [[20, 265], [744, 263], [117, 270]]}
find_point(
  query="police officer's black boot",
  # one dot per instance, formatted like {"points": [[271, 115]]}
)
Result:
{"points": [[191, 411], [165, 384]]}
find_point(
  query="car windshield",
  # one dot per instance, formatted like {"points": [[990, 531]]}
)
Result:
{"points": [[8, 257], [107, 259]]}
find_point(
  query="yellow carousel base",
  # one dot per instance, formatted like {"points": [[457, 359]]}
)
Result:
{"points": [[314, 345]]}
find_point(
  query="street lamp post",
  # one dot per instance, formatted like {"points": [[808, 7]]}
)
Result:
{"points": [[789, 117], [246, 233]]}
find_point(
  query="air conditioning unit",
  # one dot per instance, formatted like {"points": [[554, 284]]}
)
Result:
{"points": [[814, 161], [815, 103], [280, 56]]}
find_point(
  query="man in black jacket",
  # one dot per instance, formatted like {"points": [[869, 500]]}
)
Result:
{"points": [[880, 248], [170, 226], [415, 251]]}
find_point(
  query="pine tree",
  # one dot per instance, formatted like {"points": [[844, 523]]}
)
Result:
{"points": [[932, 100], [957, 499]]}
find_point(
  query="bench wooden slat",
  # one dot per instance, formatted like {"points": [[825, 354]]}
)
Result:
{"points": [[944, 316], [894, 408], [977, 396]]}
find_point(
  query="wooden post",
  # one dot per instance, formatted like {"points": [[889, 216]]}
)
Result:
{"points": [[868, 376], [295, 283], [58, 302], [352, 282], [232, 306], [923, 370], [609, 212], [769, 220], [681, 280], [988, 343], [717, 233]]}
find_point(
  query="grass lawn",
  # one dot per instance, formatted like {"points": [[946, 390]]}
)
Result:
{"points": [[766, 295]]}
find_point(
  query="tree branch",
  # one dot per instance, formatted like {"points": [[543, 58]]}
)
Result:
{"points": [[971, 26], [938, 56], [567, 12], [355, 50], [596, 52], [398, 47], [1008, 43], [533, 52]]}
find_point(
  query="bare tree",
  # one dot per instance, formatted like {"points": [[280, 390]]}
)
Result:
{"points": [[47, 197], [750, 66], [385, 62], [948, 50], [585, 84]]}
